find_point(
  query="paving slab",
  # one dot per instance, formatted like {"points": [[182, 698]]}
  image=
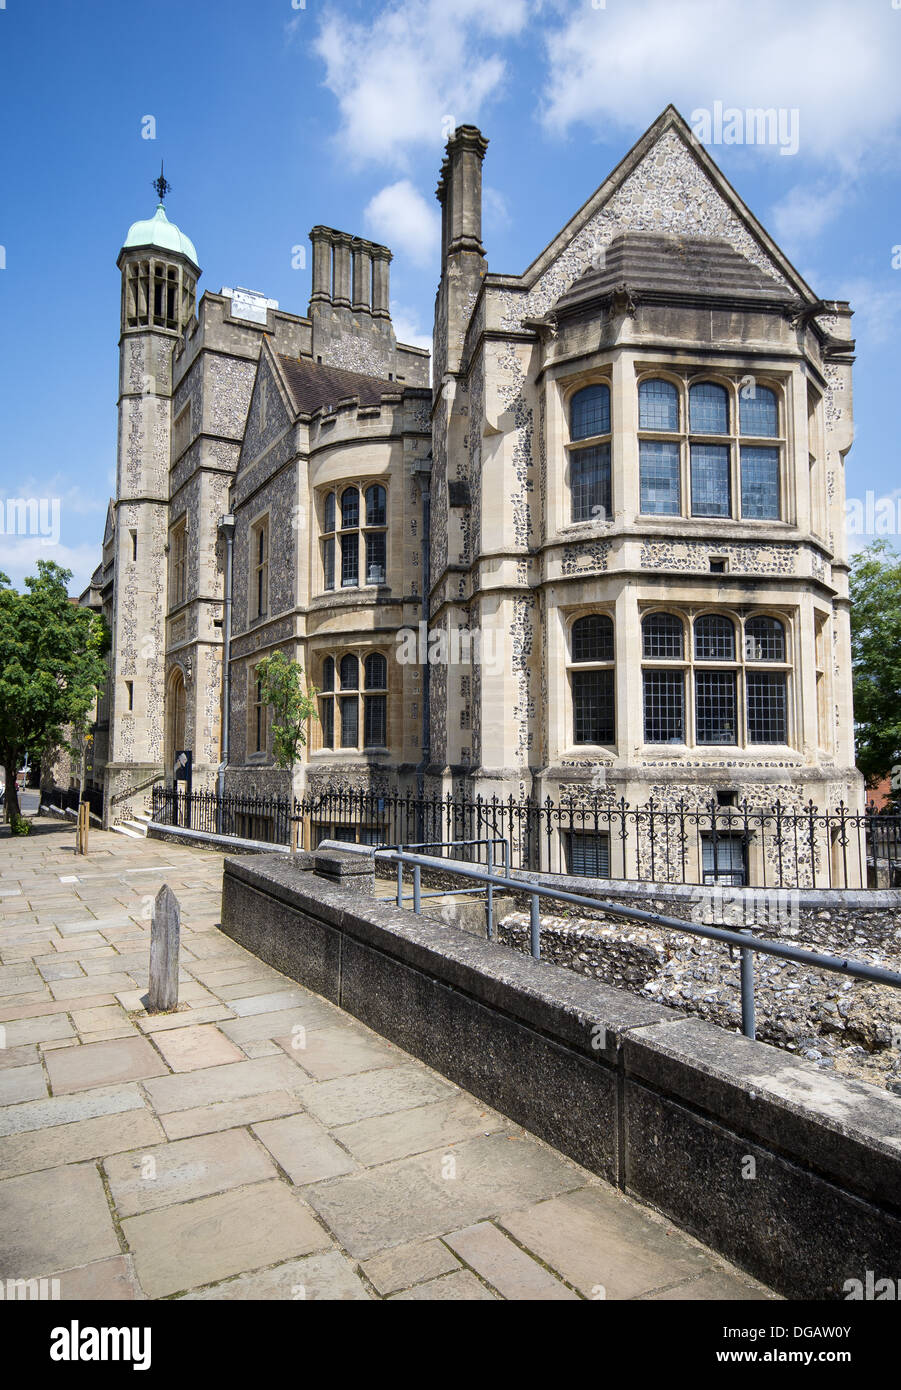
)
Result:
{"points": [[404, 1133], [311, 1014], [187, 1090], [210, 1119], [374, 1093], [197, 1243], [513, 1273], [406, 1265], [18, 1056], [462, 1287], [58, 1218], [596, 1239], [99, 1136], [313, 1279], [185, 1018], [303, 1149], [277, 1000], [91, 984], [31, 1030], [342, 1051], [103, 1064], [22, 1083], [151, 1178], [188, 1049], [427, 1196], [105, 1280]]}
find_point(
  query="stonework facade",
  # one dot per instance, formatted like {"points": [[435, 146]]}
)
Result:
{"points": [[619, 504]]}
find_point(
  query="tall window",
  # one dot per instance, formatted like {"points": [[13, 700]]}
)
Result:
{"points": [[728, 440], [258, 731], [179, 554], [715, 690], [659, 458], [589, 464], [259, 558], [360, 537], [663, 640], [361, 717], [591, 679], [759, 415], [766, 690]]}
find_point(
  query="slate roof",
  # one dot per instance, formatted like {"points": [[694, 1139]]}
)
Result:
{"points": [[314, 385], [674, 265]]}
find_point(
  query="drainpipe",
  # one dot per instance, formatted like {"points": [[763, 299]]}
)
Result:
{"points": [[227, 530], [425, 473]]}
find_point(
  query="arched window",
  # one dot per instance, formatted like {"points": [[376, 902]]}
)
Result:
{"points": [[592, 638], [349, 719], [764, 640], [589, 412], [376, 506], [714, 638], [663, 637], [592, 683], [589, 468], [709, 408], [658, 406], [350, 508], [376, 672], [758, 412]]}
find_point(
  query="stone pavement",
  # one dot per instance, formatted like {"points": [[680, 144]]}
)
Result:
{"points": [[259, 1143]]}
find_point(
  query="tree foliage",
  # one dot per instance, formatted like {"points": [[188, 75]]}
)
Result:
{"points": [[282, 686], [52, 668], [876, 659]]}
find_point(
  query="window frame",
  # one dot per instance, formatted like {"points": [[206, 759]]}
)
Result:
{"points": [[337, 696], [345, 549], [734, 441], [580, 448], [605, 666]]}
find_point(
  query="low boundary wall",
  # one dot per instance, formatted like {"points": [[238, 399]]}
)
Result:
{"points": [[793, 1175]]}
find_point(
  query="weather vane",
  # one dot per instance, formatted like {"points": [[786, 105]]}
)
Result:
{"points": [[162, 184]]}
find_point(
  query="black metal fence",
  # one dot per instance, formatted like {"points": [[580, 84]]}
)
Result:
{"points": [[743, 845]]}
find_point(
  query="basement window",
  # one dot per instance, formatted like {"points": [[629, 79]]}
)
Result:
{"points": [[588, 856]]}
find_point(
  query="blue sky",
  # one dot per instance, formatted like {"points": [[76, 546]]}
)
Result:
{"points": [[273, 116]]}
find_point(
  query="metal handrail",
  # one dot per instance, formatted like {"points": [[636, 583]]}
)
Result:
{"points": [[744, 940]]}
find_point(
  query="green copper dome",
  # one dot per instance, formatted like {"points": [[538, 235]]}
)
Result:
{"points": [[159, 231]]}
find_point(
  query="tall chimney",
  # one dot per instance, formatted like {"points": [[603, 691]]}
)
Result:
{"points": [[341, 296], [362, 275], [381, 296], [461, 186], [322, 265]]}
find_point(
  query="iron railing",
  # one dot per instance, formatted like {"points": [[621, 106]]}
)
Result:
{"points": [[744, 940], [745, 845]]}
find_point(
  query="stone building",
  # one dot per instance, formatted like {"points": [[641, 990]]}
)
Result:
{"points": [[615, 522]]}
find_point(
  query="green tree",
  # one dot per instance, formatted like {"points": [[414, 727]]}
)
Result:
{"points": [[282, 686], [876, 659], [52, 668]]}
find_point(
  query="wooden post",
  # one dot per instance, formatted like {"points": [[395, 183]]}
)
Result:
{"points": [[82, 827], [295, 833], [165, 930]]}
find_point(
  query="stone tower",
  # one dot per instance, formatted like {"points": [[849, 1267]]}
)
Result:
{"points": [[159, 277]]}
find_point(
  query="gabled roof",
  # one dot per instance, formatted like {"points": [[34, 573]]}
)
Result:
{"points": [[314, 385], [677, 266], [655, 167]]}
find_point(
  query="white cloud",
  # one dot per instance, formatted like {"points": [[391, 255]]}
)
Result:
{"points": [[19, 556], [837, 63], [399, 77], [877, 310], [406, 327], [807, 209], [400, 217]]}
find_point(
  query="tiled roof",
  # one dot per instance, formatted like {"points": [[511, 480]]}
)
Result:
{"points": [[314, 385]]}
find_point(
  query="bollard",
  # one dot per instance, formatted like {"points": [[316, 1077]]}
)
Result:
{"points": [[746, 968], [165, 929]]}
